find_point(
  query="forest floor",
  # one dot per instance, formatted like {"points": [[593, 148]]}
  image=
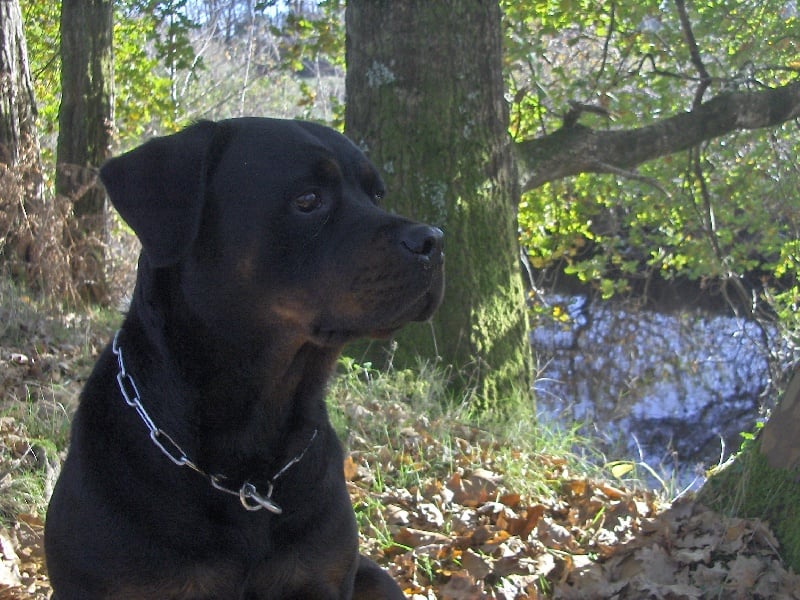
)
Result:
{"points": [[453, 510]]}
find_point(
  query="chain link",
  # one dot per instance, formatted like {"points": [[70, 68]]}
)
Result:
{"points": [[249, 496]]}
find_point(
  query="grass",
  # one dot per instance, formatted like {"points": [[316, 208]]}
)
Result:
{"points": [[403, 431], [389, 413], [403, 422], [45, 354], [404, 426], [441, 492]]}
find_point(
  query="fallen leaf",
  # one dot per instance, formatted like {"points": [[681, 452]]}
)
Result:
{"points": [[474, 489], [350, 468], [525, 524], [461, 587], [554, 535], [691, 556], [475, 565], [744, 572], [658, 565], [407, 536]]}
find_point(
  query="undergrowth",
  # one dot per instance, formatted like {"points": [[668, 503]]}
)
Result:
{"points": [[49, 351], [389, 413], [46, 353], [378, 409], [451, 501]]}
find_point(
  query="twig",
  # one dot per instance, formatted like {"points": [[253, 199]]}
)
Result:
{"points": [[607, 42], [694, 53], [607, 168]]}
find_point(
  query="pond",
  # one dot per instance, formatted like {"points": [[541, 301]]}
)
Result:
{"points": [[672, 390]]}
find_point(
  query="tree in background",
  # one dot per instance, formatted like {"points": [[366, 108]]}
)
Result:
{"points": [[656, 142], [657, 147], [624, 233], [21, 176], [85, 125], [425, 101], [17, 101]]}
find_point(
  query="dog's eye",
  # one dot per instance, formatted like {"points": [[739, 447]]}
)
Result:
{"points": [[378, 196], [308, 202]]}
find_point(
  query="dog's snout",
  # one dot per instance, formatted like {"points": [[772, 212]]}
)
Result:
{"points": [[423, 241]]}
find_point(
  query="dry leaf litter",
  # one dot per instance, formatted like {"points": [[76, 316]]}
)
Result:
{"points": [[467, 535]]}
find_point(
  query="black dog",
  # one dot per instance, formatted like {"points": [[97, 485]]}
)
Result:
{"points": [[202, 463]]}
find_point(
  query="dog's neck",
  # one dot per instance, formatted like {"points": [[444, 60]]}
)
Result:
{"points": [[234, 381]]}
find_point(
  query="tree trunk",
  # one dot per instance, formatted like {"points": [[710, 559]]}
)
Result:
{"points": [[17, 103], [780, 438], [425, 101], [85, 122], [764, 480], [21, 174]]}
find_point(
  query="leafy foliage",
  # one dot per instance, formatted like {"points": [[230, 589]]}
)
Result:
{"points": [[41, 23], [180, 60], [143, 99], [713, 214]]}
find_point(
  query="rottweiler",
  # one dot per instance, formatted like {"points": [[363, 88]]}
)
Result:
{"points": [[202, 463]]}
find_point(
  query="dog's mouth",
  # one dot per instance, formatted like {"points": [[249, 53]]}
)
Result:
{"points": [[422, 308], [380, 300], [336, 338]]}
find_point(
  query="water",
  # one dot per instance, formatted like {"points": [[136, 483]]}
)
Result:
{"points": [[671, 390]]}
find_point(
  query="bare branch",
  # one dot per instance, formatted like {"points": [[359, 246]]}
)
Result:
{"points": [[694, 52], [607, 168], [607, 43]]}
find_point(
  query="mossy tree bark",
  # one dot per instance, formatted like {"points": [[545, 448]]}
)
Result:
{"points": [[764, 480], [425, 101]]}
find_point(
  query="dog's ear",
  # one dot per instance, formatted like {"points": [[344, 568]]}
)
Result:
{"points": [[159, 187]]}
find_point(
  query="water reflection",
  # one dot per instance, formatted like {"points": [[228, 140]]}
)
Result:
{"points": [[675, 389]]}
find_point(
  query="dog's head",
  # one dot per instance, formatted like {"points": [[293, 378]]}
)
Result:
{"points": [[271, 223]]}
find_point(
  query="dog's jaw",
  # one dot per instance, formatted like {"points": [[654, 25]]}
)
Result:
{"points": [[329, 333]]}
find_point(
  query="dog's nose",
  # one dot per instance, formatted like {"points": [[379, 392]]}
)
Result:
{"points": [[424, 242]]}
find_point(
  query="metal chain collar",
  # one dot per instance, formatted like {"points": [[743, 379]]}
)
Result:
{"points": [[248, 494]]}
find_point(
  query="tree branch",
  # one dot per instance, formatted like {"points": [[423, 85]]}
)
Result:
{"points": [[607, 42], [694, 52], [580, 149]]}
